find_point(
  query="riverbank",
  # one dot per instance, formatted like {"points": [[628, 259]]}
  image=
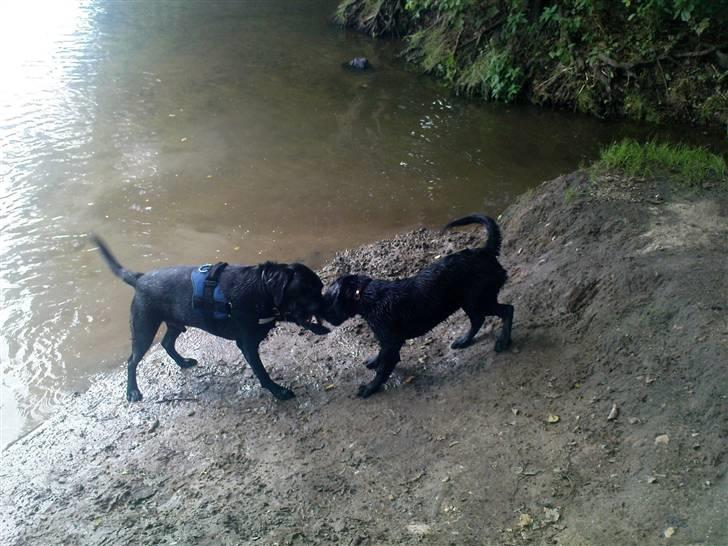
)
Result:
{"points": [[658, 61], [605, 423]]}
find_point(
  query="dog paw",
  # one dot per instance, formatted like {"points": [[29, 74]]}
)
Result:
{"points": [[133, 395], [502, 344], [461, 342], [365, 391], [187, 363], [318, 329], [282, 393]]}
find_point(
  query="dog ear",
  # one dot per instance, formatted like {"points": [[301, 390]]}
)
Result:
{"points": [[276, 279]]}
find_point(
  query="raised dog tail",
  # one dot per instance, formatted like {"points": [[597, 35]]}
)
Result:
{"points": [[129, 277], [493, 242]]}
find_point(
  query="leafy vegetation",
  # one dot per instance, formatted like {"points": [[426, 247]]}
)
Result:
{"points": [[688, 164], [647, 59]]}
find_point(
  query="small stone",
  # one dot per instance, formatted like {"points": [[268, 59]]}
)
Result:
{"points": [[669, 532], [551, 515], [154, 426], [421, 529], [633, 420], [142, 494], [613, 413], [553, 418], [524, 520], [651, 479], [662, 440]]}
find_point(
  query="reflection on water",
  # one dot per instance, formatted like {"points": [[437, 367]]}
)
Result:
{"points": [[187, 132]]}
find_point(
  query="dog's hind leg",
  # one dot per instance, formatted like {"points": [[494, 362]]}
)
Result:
{"points": [[143, 330], [249, 347], [387, 359], [477, 317], [505, 313], [168, 341]]}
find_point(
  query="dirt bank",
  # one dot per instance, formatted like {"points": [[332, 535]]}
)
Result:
{"points": [[620, 296]]}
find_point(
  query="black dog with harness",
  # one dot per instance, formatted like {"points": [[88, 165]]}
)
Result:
{"points": [[237, 302]]}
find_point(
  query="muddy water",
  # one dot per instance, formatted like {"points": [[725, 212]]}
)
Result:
{"points": [[187, 132]]}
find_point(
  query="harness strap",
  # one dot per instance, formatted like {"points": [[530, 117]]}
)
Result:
{"points": [[207, 302], [213, 276]]}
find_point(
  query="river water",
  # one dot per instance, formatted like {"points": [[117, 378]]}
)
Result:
{"points": [[198, 131]]}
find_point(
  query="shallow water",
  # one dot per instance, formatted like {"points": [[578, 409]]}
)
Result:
{"points": [[188, 132]]}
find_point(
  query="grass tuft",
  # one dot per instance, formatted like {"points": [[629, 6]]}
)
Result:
{"points": [[433, 50], [687, 164]]}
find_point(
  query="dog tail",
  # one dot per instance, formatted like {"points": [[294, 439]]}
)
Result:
{"points": [[129, 277], [493, 243]]}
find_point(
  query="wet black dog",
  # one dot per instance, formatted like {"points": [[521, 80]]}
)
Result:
{"points": [[259, 296], [408, 308]]}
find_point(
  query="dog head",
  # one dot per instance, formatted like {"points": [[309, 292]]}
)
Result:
{"points": [[341, 299], [296, 293]]}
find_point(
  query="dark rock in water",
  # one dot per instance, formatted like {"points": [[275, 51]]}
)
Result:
{"points": [[358, 63]]}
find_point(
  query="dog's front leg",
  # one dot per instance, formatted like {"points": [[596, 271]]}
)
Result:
{"points": [[386, 361], [132, 389], [476, 321], [249, 348], [372, 362]]}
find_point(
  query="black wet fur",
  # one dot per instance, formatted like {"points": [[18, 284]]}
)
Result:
{"points": [[288, 292], [407, 308]]}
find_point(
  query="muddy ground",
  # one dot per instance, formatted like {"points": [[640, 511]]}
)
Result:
{"points": [[621, 296]]}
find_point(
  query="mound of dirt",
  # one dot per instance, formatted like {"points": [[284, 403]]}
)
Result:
{"points": [[606, 423]]}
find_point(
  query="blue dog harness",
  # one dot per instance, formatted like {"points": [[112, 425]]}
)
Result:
{"points": [[206, 293]]}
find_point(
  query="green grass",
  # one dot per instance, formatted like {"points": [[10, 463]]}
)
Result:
{"points": [[570, 195], [687, 164]]}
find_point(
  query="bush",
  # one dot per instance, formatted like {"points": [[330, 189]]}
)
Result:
{"points": [[605, 57]]}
